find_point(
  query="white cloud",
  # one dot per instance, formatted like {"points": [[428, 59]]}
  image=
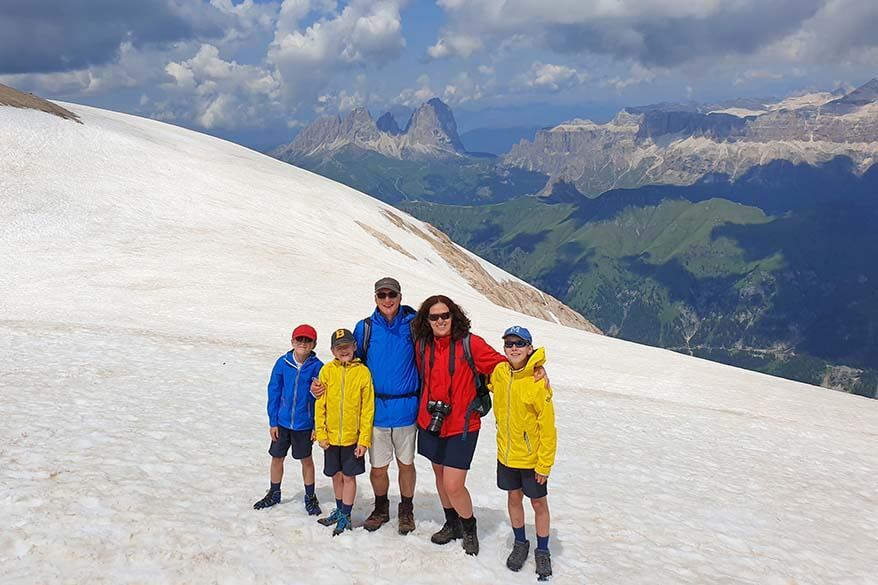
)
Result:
{"points": [[638, 74], [454, 45], [553, 77]]}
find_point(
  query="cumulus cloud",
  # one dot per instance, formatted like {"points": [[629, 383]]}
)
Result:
{"points": [[553, 77], [45, 36], [363, 33], [454, 45], [414, 97], [216, 93]]}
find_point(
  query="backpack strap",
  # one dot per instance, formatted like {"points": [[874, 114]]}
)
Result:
{"points": [[367, 336]]}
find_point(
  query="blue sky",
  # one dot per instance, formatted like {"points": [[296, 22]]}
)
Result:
{"points": [[255, 71]]}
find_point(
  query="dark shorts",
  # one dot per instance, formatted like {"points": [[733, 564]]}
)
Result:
{"points": [[509, 478], [300, 441], [450, 451], [342, 459]]}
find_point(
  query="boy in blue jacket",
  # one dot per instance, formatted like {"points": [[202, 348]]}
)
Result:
{"points": [[291, 415]]}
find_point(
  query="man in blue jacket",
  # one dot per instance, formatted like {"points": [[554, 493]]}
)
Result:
{"points": [[384, 342]]}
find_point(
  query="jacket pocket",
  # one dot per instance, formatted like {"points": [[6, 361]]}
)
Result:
{"points": [[527, 443]]}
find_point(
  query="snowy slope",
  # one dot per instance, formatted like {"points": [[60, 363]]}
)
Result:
{"points": [[151, 275]]}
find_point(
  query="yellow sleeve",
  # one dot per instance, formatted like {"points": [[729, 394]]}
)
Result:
{"points": [[545, 409], [367, 411], [322, 432]]}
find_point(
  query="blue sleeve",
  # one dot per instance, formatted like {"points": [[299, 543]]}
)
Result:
{"points": [[275, 387], [358, 335]]}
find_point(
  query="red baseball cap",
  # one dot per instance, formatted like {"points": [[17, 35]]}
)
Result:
{"points": [[305, 331]]}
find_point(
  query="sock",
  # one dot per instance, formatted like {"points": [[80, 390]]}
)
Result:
{"points": [[468, 522], [346, 508], [450, 515], [542, 542], [338, 504], [406, 500], [381, 500], [520, 536], [309, 489], [275, 487]]}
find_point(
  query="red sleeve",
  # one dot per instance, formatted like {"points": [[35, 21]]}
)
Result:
{"points": [[485, 356]]}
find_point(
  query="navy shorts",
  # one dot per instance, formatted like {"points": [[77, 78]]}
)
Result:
{"points": [[509, 479], [300, 441], [342, 459], [451, 451]]}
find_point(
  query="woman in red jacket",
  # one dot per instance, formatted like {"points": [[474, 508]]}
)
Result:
{"points": [[447, 433]]}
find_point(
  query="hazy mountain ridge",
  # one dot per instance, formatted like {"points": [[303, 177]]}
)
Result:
{"points": [[677, 145]]}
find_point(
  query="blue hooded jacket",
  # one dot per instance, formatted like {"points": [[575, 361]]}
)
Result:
{"points": [[391, 360], [290, 402]]}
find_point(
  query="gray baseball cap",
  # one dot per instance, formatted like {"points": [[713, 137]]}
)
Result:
{"points": [[389, 284]]}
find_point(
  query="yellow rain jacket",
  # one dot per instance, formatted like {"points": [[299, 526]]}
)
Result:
{"points": [[526, 437], [344, 413]]}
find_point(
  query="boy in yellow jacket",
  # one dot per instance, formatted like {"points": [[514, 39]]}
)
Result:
{"points": [[526, 441], [343, 423]]}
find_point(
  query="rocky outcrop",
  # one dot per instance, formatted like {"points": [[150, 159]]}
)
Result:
{"points": [[10, 96], [679, 146], [431, 132]]}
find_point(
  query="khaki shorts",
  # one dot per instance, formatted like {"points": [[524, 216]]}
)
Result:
{"points": [[385, 441]]}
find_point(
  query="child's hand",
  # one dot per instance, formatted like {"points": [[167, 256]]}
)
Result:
{"points": [[540, 374], [273, 432], [324, 444], [540, 478], [317, 388], [313, 436], [359, 451]]}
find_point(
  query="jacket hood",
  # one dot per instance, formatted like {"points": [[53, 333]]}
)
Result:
{"points": [[537, 358], [403, 312], [288, 357]]}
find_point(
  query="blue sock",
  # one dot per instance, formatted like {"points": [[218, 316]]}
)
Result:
{"points": [[346, 508], [520, 536], [309, 489], [275, 487], [338, 504], [542, 542]]}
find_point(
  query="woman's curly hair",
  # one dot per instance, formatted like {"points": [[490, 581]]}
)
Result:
{"points": [[460, 323]]}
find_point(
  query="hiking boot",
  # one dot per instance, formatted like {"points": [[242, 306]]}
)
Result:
{"points": [[331, 519], [406, 513], [270, 499], [518, 555], [312, 506], [544, 564], [470, 536], [379, 516], [344, 523], [450, 531]]}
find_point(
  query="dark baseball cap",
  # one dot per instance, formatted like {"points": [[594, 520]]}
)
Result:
{"points": [[389, 284], [341, 337]]}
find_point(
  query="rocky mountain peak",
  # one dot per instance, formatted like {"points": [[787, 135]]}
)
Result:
{"points": [[359, 126], [387, 123], [863, 95], [433, 124]]}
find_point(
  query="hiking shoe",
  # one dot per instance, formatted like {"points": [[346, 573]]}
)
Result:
{"points": [[470, 536], [270, 499], [344, 523], [406, 513], [518, 555], [451, 530], [312, 506], [331, 519], [544, 564], [379, 516]]}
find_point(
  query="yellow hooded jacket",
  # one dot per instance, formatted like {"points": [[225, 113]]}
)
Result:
{"points": [[343, 414], [526, 436]]}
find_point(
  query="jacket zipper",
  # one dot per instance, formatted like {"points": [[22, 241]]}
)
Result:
{"points": [[508, 416], [295, 394], [527, 442], [341, 407]]}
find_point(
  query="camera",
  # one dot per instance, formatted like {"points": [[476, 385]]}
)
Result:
{"points": [[438, 411]]}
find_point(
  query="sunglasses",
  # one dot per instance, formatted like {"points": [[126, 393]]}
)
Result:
{"points": [[387, 295], [436, 316], [519, 343], [301, 339]]}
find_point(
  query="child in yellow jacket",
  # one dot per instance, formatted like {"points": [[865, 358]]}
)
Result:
{"points": [[526, 442], [343, 424]]}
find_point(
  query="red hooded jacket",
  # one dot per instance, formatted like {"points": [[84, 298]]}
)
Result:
{"points": [[459, 392]]}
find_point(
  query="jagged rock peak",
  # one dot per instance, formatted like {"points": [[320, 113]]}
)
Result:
{"points": [[387, 123], [558, 190], [433, 124]]}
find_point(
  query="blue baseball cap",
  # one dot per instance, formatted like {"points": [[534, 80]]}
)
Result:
{"points": [[519, 331]]}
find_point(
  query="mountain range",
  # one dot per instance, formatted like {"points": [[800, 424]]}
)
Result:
{"points": [[736, 231]]}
